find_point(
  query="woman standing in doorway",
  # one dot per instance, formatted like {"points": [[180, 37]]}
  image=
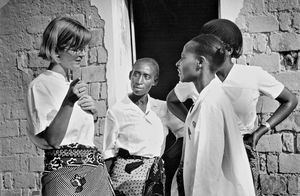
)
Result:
{"points": [[60, 116]]}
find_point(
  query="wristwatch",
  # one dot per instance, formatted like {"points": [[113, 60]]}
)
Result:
{"points": [[266, 124]]}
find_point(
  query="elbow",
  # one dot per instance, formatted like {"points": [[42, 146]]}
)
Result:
{"points": [[172, 98], [294, 102], [53, 142]]}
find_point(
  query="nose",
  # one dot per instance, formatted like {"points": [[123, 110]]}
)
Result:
{"points": [[140, 79], [178, 63]]}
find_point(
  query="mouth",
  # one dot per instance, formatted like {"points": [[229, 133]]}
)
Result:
{"points": [[138, 88]]}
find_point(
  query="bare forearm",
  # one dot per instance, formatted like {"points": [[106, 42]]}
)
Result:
{"points": [[176, 107], [56, 131], [288, 102]]}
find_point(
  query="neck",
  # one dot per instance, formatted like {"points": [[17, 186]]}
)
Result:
{"points": [[59, 69], [224, 71], [138, 100], [203, 80]]}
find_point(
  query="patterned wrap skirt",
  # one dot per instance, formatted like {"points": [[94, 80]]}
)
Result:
{"points": [[138, 176], [75, 170], [254, 166]]}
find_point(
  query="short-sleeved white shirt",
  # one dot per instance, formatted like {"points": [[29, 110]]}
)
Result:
{"points": [[142, 134], [45, 96], [243, 85], [215, 160]]}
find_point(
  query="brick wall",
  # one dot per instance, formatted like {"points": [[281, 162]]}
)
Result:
{"points": [[271, 40], [21, 25]]}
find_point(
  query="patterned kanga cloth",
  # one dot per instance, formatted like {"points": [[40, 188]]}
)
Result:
{"points": [[138, 177], [75, 170]]}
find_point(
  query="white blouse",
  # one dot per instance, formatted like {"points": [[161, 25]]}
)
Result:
{"points": [[142, 134], [45, 96], [243, 86], [215, 160]]}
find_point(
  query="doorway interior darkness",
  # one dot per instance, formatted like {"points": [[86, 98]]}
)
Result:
{"points": [[162, 27]]}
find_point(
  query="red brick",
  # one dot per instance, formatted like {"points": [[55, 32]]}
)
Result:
{"points": [[9, 128], [97, 38], [37, 24], [260, 42], [94, 20], [298, 143], [101, 108], [288, 142], [289, 163], [7, 180], [269, 143], [9, 163], [296, 21], [284, 42], [95, 90], [22, 145], [35, 61], [93, 55], [273, 184], [5, 147], [272, 163], [294, 185], [93, 74], [11, 192], [262, 24], [36, 164], [275, 5], [102, 55], [290, 80], [24, 180], [18, 110], [103, 93], [284, 21]]}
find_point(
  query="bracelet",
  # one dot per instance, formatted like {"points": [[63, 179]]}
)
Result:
{"points": [[266, 124]]}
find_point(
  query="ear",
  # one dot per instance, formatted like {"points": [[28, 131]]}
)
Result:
{"points": [[200, 62], [130, 73], [155, 81]]}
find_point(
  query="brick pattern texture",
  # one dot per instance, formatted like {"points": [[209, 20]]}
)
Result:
{"points": [[271, 30], [21, 26]]}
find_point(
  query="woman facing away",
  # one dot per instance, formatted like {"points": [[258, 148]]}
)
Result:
{"points": [[60, 116], [215, 161], [243, 85]]}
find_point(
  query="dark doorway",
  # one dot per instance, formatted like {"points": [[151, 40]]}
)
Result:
{"points": [[162, 27]]}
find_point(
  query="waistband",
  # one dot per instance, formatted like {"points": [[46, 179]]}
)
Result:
{"points": [[122, 153], [72, 155]]}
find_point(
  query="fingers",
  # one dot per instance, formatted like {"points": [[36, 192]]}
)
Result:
{"points": [[86, 102], [80, 89], [74, 82]]}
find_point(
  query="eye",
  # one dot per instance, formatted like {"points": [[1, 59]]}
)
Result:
{"points": [[147, 77], [136, 74]]}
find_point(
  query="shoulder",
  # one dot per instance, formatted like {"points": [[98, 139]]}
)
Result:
{"points": [[216, 98], [158, 106], [121, 107], [247, 69], [39, 83]]}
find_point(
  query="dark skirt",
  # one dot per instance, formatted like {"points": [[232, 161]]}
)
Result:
{"points": [[75, 170]]}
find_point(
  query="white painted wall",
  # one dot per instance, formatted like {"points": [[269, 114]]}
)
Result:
{"points": [[229, 9], [118, 44]]}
